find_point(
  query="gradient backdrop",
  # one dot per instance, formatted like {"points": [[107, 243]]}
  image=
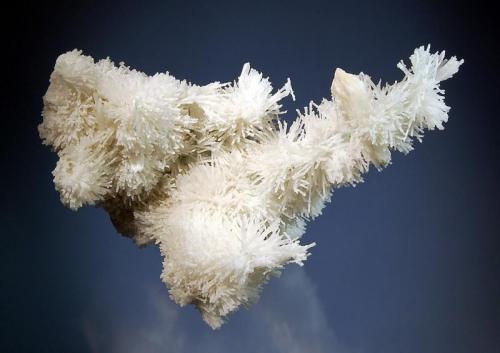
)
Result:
{"points": [[406, 262]]}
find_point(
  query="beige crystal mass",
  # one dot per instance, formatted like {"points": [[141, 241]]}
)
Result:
{"points": [[212, 174]]}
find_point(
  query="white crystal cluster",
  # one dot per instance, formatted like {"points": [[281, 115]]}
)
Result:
{"points": [[212, 175]]}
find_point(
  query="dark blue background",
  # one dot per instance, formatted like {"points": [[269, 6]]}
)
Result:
{"points": [[406, 262]]}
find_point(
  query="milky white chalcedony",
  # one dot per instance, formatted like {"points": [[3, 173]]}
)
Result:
{"points": [[212, 175]]}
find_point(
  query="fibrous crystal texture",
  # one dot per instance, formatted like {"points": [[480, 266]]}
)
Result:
{"points": [[212, 174]]}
